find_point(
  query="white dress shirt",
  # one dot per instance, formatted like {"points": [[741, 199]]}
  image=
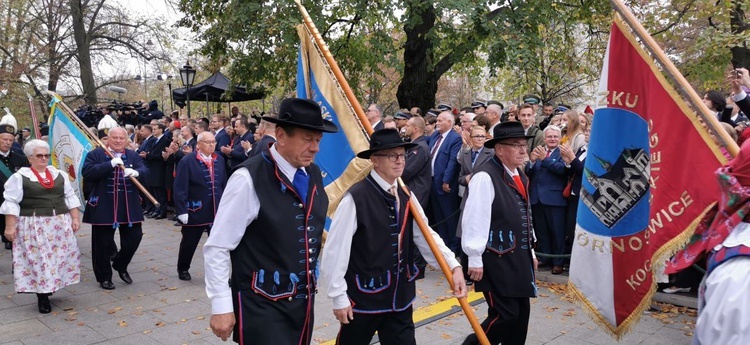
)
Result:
{"points": [[336, 252], [239, 206], [725, 317], [475, 223], [13, 193]]}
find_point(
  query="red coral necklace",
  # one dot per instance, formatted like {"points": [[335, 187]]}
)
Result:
{"points": [[47, 182]]}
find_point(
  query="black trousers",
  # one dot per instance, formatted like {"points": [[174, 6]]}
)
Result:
{"points": [[507, 320], [261, 321], [102, 238], [191, 236], [160, 194], [395, 328]]}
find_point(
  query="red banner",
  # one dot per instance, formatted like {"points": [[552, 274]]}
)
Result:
{"points": [[648, 179]]}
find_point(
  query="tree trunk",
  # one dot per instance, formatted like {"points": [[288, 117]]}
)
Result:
{"points": [[419, 84], [740, 54], [83, 43]]}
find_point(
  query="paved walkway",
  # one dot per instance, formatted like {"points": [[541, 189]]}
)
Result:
{"points": [[158, 308]]}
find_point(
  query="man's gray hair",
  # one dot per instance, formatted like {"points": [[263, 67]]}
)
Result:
{"points": [[34, 144], [552, 128]]}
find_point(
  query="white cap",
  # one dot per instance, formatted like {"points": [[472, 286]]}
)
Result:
{"points": [[9, 119], [107, 122]]}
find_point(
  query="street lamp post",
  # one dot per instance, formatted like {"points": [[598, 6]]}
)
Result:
{"points": [[145, 69], [187, 74]]}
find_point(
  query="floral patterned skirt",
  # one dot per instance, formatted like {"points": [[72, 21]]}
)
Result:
{"points": [[45, 254]]}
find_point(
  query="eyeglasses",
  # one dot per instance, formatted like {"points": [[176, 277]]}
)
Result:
{"points": [[212, 142], [393, 157], [42, 155], [516, 145], [479, 136]]}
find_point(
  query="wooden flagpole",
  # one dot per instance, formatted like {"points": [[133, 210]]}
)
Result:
{"points": [[34, 120], [468, 311], [675, 74], [72, 115]]}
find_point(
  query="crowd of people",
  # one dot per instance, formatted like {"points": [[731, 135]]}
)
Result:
{"points": [[475, 174]]}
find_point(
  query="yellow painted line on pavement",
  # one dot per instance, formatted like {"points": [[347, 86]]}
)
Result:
{"points": [[438, 308]]}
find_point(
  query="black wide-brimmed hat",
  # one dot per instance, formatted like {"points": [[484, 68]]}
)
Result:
{"points": [[302, 113], [507, 130], [384, 139]]}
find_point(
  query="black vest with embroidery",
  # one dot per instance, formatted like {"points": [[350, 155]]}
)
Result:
{"points": [[507, 260], [277, 257], [381, 272]]}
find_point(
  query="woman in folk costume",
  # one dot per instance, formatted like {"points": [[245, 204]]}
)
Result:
{"points": [[723, 235], [41, 219]]}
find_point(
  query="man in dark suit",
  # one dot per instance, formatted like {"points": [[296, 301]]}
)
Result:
{"points": [[157, 168], [375, 116], [498, 237], [236, 152], [199, 184], [548, 177], [10, 161], [222, 137], [445, 144], [417, 172], [147, 144], [265, 134], [113, 203]]}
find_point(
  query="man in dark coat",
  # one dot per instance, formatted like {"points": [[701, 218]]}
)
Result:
{"points": [[113, 203], [152, 112], [369, 261], [268, 233], [198, 185], [266, 130], [418, 173], [501, 258], [236, 152], [10, 161], [157, 170]]}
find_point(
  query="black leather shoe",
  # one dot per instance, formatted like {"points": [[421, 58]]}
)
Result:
{"points": [[147, 212], [43, 303], [161, 216], [173, 218], [151, 215], [178, 223], [125, 277], [184, 275], [107, 285], [8, 245]]}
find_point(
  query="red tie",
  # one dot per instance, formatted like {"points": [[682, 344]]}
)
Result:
{"points": [[519, 185], [549, 153], [437, 144]]}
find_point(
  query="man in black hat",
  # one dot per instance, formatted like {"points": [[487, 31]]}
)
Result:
{"points": [[503, 242], [10, 161], [268, 231], [369, 261]]}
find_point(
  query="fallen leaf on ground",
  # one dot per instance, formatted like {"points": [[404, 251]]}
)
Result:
{"points": [[123, 324]]}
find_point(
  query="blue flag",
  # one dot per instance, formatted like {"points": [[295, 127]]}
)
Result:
{"points": [[337, 156]]}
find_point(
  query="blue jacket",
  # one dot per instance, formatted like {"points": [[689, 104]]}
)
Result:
{"points": [[547, 179], [195, 193], [113, 199], [446, 166]]}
